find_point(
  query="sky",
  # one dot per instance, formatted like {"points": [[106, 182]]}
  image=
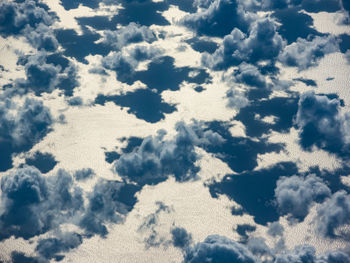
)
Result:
{"points": [[175, 131]]}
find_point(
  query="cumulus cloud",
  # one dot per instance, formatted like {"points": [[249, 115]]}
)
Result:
{"points": [[263, 43], [218, 18], [109, 202], [33, 204], [333, 213], [236, 99], [180, 237], [42, 75], [295, 194], [63, 242], [307, 253], [156, 158], [132, 33], [218, 249], [30, 19], [15, 16], [84, 174], [306, 53], [250, 75], [222, 249], [275, 229], [125, 63], [42, 37], [21, 126], [322, 124], [258, 246]]}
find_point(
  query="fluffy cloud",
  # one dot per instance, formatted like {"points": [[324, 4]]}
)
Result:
{"points": [[109, 202], [295, 194], [32, 204], [125, 63], [51, 247], [263, 43], [15, 16], [21, 126], [156, 158], [218, 19], [333, 213], [132, 33], [42, 37], [250, 75], [322, 124], [217, 249], [180, 237], [43, 75], [306, 53]]}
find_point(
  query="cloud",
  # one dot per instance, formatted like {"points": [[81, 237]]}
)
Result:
{"points": [[156, 159], [180, 237], [333, 213], [42, 37], [150, 224], [33, 204], [124, 63], [306, 53], [275, 229], [218, 19], [250, 75], [218, 249], [132, 33], [296, 194], [258, 246], [84, 174], [45, 73], [236, 99], [322, 124], [21, 126], [51, 247], [15, 16], [307, 253], [109, 202], [263, 43]]}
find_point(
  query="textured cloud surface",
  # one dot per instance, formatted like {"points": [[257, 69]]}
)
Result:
{"points": [[175, 131]]}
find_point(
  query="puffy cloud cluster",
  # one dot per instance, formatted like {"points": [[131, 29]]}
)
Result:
{"points": [[306, 253], [125, 63], [217, 249], [16, 15], [63, 242], [21, 126], [42, 37], [308, 5], [333, 214], [220, 249], [250, 75], [295, 194], [109, 201], [33, 204], [31, 19], [132, 33], [306, 53], [156, 159], [263, 43], [43, 75], [322, 124], [218, 18], [180, 237]]}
